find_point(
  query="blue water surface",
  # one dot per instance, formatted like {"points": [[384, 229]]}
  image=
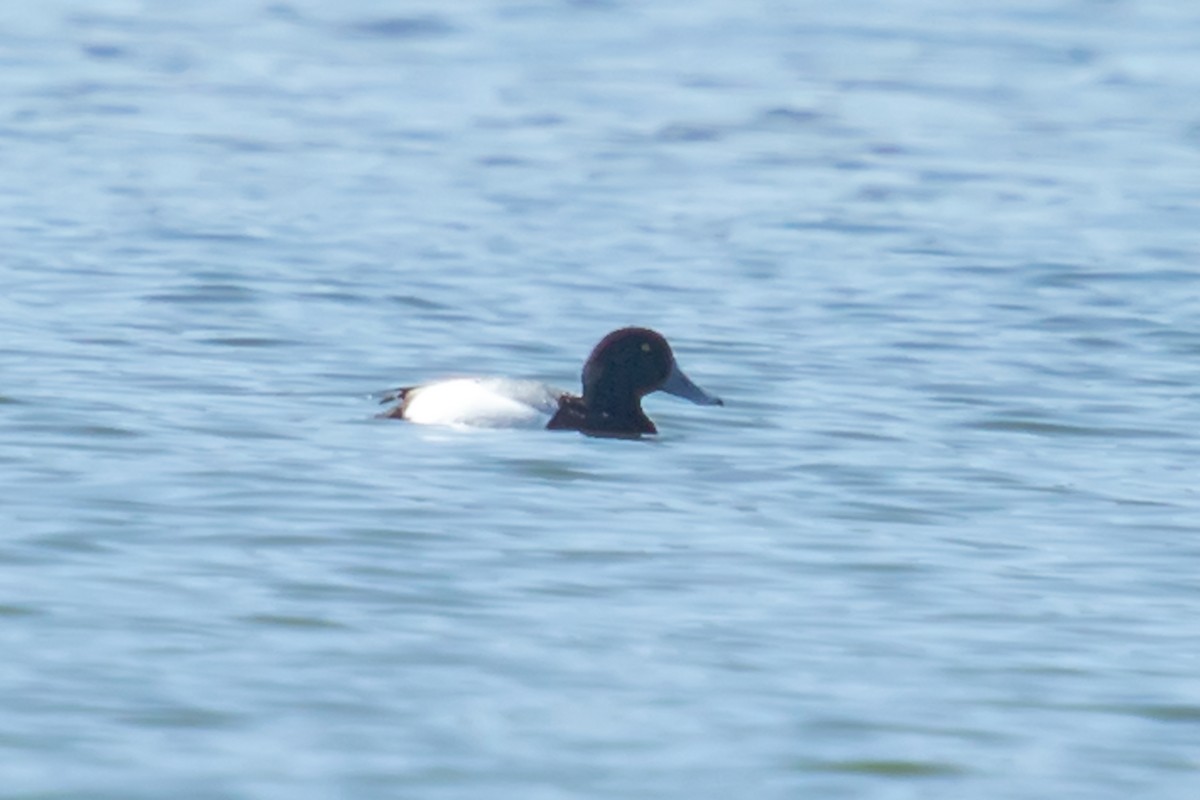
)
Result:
{"points": [[940, 260]]}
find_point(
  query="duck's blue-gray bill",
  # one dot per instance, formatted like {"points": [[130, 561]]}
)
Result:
{"points": [[681, 385]]}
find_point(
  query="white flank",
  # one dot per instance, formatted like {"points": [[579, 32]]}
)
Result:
{"points": [[483, 403]]}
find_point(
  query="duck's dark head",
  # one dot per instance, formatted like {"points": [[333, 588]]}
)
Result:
{"points": [[630, 363]]}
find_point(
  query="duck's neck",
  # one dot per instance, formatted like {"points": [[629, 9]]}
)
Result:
{"points": [[615, 409]]}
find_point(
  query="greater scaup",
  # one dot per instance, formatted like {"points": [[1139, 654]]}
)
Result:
{"points": [[625, 366]]}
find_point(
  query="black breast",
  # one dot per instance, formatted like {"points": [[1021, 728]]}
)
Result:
{"points": [[575, 415]]}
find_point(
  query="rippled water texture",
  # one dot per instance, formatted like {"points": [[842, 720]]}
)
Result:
{"points": [[940, 259]]}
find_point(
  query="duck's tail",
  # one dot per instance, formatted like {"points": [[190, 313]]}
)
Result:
{"points": [[393, 395], [397, 396]]}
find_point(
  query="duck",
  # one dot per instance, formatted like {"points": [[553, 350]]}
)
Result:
{"points": [[625, 366]]}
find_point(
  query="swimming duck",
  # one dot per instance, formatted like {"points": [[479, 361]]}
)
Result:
{"points": [[625, 366]]}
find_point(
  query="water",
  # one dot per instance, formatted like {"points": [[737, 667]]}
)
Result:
{"points": [[940, 262]]}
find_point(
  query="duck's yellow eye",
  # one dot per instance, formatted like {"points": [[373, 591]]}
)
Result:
{"points": [[645, 347]]}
